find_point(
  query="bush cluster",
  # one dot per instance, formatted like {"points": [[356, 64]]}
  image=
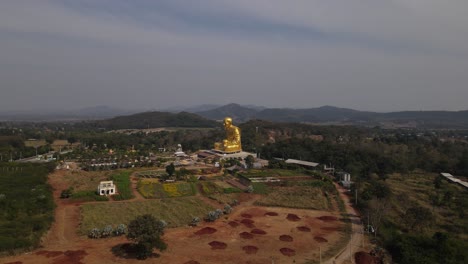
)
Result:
{"points": [[108, 231]]}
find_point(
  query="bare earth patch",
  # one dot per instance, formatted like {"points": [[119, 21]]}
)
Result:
{"points": [[330, 228], [288, 252], [71, 257], [233, 224], [246, 215], [293, 217], [303, 228], [217, 245], [205, 231], [364, 258], [192, 262], [286, 238], [250, 249], [271, 214]]}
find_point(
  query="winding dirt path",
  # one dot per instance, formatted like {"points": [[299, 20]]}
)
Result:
{"points": [[357, 241]]}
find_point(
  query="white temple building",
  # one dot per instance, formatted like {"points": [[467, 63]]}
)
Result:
{"points": [[106, 188]]}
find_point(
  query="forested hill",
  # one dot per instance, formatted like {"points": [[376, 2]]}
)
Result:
{"points": [[157, 119], [335, 115]]}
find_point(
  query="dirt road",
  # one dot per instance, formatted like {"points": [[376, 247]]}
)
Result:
{"points": [[357, 241]]}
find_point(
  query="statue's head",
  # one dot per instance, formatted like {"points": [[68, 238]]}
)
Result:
{"points": [[227, 122]]}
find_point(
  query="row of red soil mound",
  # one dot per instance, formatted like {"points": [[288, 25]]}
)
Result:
{"points": [[248, 223], [206, 231], [258, 231], [288, 252], [250, 249], [71, 257], [192, 262], [362, 257], [217, 245], [320, 239], [286, 238], [271, 214], [293, 217], [246, 235], [233, 224], [330, 228], [49, 254], [303, 228], [327, 218]]}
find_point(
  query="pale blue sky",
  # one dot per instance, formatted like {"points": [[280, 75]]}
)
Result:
{"points": [[363, 54]]}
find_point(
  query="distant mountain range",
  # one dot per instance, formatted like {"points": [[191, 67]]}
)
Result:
{"points": [[206, 115], [340, 116]]}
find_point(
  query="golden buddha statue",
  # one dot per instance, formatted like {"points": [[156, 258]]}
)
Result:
{"points": [[232, 143]]}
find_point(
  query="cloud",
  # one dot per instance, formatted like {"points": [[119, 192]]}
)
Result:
{"points": [[364, 54]]}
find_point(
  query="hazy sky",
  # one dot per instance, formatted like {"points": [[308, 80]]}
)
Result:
{"points": [[364, 54]]}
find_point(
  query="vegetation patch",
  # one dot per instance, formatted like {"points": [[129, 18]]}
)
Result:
{"points": [[124, 189], [176, 212], [304, 197], [26, 206], [208, 188], [154, 189]]}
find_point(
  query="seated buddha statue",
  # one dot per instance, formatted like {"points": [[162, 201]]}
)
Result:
{"points": [[232, 143]]}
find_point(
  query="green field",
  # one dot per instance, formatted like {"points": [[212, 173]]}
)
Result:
{"points": [[122, 181], [176, 212], [154, 189]]}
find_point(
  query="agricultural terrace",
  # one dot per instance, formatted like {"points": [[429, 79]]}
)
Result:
{"points": [[151, 188], [295, 189], [176, 212]]}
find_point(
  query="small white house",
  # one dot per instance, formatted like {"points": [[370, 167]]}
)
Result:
{"points": [[106, 188]]}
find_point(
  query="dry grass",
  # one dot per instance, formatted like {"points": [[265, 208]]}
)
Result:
{"points": [[86, 180], [176, 212], [304, 197]]}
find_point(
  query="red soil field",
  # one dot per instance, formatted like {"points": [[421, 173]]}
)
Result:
{"points": [[258, 231], [271, 214], [250, 249], [286, 238], [330, 228], [327, 218], [246, 215], [217, 245], [293, 217], [303, 228], [205, 231], [16, 262], [49, 254], [248, 223], [246, 235], [365, 258], [233, 224], [71, 257], [288, 252], [320, 239], [192, 262]]}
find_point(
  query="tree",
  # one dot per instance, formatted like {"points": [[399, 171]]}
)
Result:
{"points": [[146, 231], [170, 169], [249, 161]]}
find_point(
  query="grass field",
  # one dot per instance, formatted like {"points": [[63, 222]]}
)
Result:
{"points": [[154, 189], [85, 180], [176, 212], [304, 197], [418, 189], [122, 181]]}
